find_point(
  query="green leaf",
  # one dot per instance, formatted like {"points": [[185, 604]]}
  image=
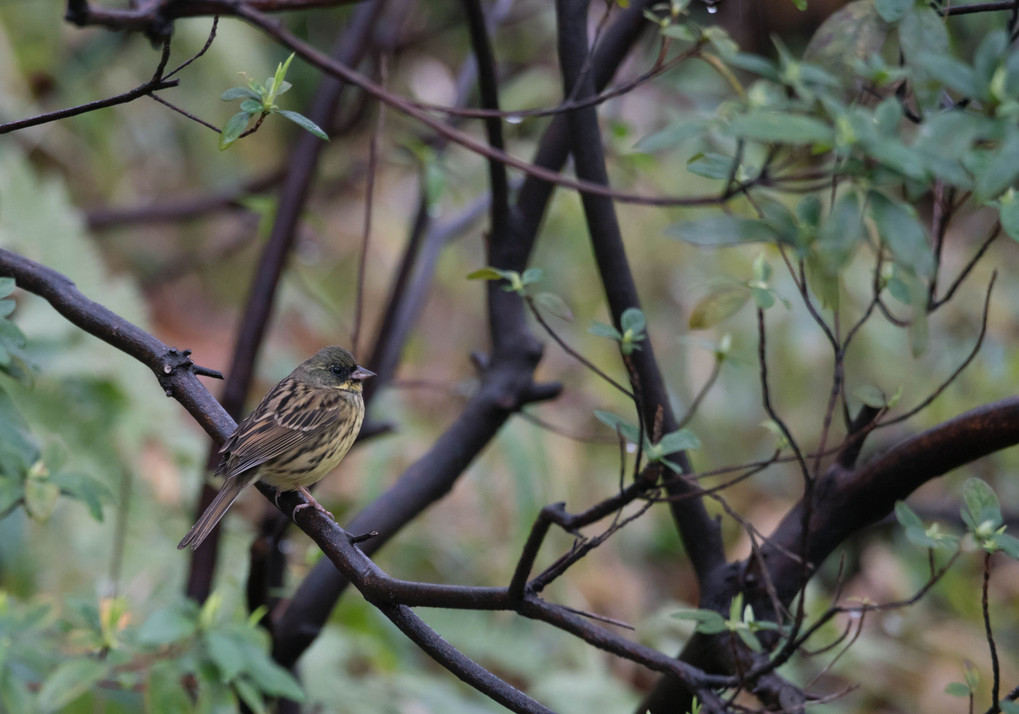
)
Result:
{"points": [[252, 107], [632, 320], [487, 274], [683, 33], [238, 93], [69, 681], [721, 41], [1008, 544], [986, 60], [170, 624], [600, 329], [672, 136], [250, 695], [273, 679], [532, 275], [15, 695], [950, 72], [723, 229], [677, 441], [722, 302], [892, 10], [762, 270], [11, 491], [761, 66], [906, 516], [919, 535], [921, 30], [981, 511], [1008, 213], [852, 34], [763, 297], [305, 123], [227, 650], [233, 129], [165, 693], [627, 430], [711, 165], [749, 639], [708, 622], [275, 83], [41, 498], [780, 127], [776, 431], [971, 675], [898, 157], [957, 689], [840, 234], [1008, 707], [808, 210], [1001, 170], [553, 304], [871, 396], [89, 491], [902, 233], [7, 286]]}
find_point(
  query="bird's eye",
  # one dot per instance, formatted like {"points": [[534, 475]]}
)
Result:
{"points": [[336, 369]]}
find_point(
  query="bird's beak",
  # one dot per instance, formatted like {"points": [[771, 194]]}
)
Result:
{"points": [[361, 373]]}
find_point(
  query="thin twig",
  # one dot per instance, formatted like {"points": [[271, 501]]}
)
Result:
{"points": [[369, 203], [958, 370], [986, 611], [572, 352]]}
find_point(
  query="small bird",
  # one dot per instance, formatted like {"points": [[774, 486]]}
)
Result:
{"points": [[296, 435]]}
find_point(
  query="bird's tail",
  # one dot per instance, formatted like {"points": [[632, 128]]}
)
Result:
{"points": [[210, 517]]}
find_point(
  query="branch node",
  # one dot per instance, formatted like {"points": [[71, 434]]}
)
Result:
{"points": [[355, 539]]}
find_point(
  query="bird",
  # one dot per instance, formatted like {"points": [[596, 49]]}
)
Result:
{"points": [[298, 433]]}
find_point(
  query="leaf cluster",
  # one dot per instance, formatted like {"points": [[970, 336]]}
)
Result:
{"points": [[258, 101], [52, 658]]}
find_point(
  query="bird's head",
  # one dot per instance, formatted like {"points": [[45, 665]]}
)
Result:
{"points": [[332, 368]]}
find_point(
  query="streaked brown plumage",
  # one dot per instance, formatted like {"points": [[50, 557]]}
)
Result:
{"points": [[297, 434]]}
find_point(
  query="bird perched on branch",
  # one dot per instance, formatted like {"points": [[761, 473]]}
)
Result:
{"points": [[296, 435]]}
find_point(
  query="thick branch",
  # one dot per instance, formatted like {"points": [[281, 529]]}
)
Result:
{"points": [[173, 368], [846, 501], [701, 535]]}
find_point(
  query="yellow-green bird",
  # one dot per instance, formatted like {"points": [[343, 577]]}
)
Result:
{"points": [[296, 435]]}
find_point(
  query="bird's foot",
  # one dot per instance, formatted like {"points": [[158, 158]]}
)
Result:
{"points": [[311, 502]]}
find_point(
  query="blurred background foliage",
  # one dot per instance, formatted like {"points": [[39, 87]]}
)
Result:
{"points": [[98, 427]]}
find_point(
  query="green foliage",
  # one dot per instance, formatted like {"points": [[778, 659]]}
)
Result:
{"points": [[727, 299], [967, 688], [259, 101], [28, 477], [981, 512], [920, 535], [52, 658], [517, 282], [671, 443], [632, 323], [721, 302], [873, 396], [741, 622]]}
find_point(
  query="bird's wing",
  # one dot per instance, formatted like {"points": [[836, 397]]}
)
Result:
{"points": [[290, 414]]}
